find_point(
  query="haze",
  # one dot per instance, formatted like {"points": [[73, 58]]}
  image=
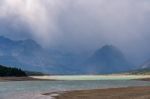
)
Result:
{"points": [[80, 25]]}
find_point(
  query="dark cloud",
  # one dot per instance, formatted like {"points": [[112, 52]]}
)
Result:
{"points": [[81, 25]]}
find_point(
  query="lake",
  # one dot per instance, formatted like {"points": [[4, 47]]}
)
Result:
{"points": [[33, 89]]}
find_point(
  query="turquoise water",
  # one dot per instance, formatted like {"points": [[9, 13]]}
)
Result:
{"points": [[9, 88]]}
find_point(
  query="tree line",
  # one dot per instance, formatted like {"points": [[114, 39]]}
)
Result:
{"points": [[11, 71]]}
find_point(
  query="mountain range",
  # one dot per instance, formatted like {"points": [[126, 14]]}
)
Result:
{"points": [[29, 55]]}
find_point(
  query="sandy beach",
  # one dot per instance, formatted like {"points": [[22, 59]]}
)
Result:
{"points": [[113, 93], [93, 77]]}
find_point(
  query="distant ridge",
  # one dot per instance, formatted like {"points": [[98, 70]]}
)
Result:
{"points": [[143, 69], [145, 65]]}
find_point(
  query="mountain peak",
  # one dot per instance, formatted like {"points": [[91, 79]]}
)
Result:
{"points": [[5, 42], [2, 38], [108, 50], [108, 59], [29, 41], [109, 47]]}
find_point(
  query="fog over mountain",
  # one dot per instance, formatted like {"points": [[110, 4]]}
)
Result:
{"points": [[80, 25], [29, 55], [108, 59]]}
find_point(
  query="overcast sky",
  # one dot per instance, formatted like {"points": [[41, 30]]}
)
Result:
{"points": [[80, 25]]}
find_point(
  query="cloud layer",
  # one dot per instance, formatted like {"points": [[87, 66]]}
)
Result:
{"points": [[81, 24]]}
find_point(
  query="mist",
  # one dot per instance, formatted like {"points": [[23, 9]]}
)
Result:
{"points": [[80, 25]]}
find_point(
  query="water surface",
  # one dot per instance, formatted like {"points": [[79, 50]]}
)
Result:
{"points": [[29, 89]]}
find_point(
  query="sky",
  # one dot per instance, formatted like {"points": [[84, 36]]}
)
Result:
{"points": [[80, 25]]}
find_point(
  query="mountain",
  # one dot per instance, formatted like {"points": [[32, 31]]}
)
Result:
{"points": [[29, 55], [107, 59], [141, 70], [23, 53]]}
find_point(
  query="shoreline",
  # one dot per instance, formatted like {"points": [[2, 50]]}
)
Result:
{"points": [[141, 92], [77, 78], [6, 79], [93, 77]]}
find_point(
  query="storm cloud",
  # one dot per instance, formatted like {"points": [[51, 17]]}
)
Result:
{"points": [[80, 25]]}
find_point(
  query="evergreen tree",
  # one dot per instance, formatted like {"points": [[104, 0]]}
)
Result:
{"points": [[9, 71]]}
